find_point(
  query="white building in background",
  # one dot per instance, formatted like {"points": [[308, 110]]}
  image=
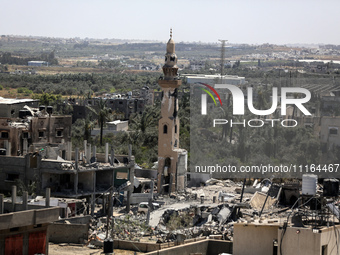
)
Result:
{"points": [[213, 79]]}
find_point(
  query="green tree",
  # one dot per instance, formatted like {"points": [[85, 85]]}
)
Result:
{"points": [[46, 98], [103, 114]]}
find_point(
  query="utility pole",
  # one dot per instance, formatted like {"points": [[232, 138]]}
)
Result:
{"points": [[222, 55]]}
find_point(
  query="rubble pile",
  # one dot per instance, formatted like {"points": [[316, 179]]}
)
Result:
{"points": [[208, 211], [123, 227], [197, 221]]}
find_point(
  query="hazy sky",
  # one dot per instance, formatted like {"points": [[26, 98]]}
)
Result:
{"points": [[253, 21]]}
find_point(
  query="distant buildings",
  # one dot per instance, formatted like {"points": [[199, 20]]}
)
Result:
{"points": [[122, 105], [37, 63], [31, 127], [214, 79], [10, 107]]}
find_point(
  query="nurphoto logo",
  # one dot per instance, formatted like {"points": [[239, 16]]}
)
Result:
{"points": [[239, 104]]}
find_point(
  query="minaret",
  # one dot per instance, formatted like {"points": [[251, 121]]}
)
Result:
{"points": [[168, 127]]}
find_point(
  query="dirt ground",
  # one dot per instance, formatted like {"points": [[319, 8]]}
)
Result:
{"points": [[63, 249]]}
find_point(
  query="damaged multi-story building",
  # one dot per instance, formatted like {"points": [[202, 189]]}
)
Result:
{"points": [[33, 127], [123, 105]]}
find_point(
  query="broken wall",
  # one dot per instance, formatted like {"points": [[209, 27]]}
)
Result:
{"points": [[11, 168]]}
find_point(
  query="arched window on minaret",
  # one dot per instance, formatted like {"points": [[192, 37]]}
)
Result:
{"points": [[175, 129], [165, 129]]}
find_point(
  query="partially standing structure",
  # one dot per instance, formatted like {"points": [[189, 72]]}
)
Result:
{"points": [[172, 161]]}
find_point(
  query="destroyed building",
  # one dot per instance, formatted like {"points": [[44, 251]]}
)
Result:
{"points": [[123, 105], [10, 107], [172, 161], [84, 175], [33, 126]]}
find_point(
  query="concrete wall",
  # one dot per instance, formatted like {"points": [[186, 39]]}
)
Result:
{"points": [[330, 239], [30, 217], [7, 108], [50, 127], [68, 233], [11, 165], [256, 238], [205, 247], [326, 124], [138, 246], [20, 207], [71, 230], [77, 220], [146, 173], [182, 164], [196, 179], [305, 241], [218, 247], [137, 198], [301, 241]]}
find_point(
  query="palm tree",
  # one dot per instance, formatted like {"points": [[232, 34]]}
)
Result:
{"points": [[146, 120], [88, 126]]}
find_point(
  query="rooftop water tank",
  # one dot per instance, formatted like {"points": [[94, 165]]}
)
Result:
{"points": [[330, 187], [309, 183]]}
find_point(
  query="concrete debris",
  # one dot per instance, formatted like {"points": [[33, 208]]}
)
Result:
{"points": [[208, 211], [258, 200]]}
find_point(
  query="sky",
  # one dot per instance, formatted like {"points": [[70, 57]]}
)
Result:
{"points": [[238, 21]]}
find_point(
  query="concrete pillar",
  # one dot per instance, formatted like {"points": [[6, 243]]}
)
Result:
{"points": [[88, 203], [88, 155], [76, 158], [47, 197], [85, 148], [131, 178], [106, 152], [25, 243], [130, 152], [93, 197], [1, 203], [25, 146], [9, 148], [76, 183], [6, 147], [69, 151], [150, 205], [170, 183], [94, 181], [113, 179], [95, 153], [25, 200], [104, 203], [112, 156], [14, 197]]}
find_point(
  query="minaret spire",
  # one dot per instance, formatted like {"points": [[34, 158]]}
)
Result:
{"points": [[170, 66]]}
